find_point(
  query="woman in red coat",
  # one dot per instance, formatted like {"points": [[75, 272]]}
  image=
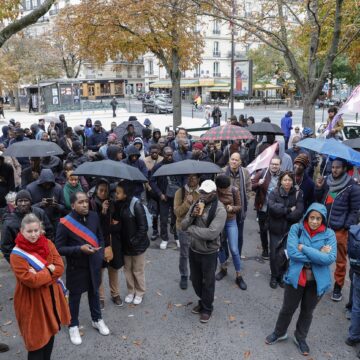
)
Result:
{"points": [[39, 300]]}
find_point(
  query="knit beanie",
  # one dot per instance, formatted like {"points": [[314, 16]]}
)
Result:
{"points": [[302, 159], [23, 194]]}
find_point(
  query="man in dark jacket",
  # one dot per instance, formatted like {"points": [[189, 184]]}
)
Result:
{"points": [[204, 223], [19, 137], [213, 153], [98, 138], [263, 183], [129, 136], [183, 152], [114, 104], [296, 150], [302, 179], [4, 139], [216, 115], [48, 195], [77, 156], [80, 240], [53, 163], [133, 159], [7, 180], [67, 140], [12, 222], [341, 196], [156, 135], [165, 188], [61, 126]]}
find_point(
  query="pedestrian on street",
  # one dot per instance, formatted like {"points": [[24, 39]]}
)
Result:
{"points": [[39, 299], [286, 127], [311, 247], [130, 214], [2, 107], [285, 208], [204, 223], [341, 196], [80, 240], [184, 198], [114, 104], [216, 115], [207, 116], [61, 126], [230, 197]]}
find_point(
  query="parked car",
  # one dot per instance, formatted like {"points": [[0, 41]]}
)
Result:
{"points": [[351, 130], [157, 106], [140, 96], [164, 97]]}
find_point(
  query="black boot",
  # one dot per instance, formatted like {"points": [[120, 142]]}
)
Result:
{"points": [[240, 282], [3, 348], [221, 274]]}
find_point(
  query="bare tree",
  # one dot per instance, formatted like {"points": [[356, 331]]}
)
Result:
{"points": [[17, 24], [314, 35]]}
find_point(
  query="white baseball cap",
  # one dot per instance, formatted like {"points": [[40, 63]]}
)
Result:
{"points": [[208, 186]]}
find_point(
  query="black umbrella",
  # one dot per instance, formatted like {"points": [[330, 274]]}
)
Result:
{"points": [[353, 143], [110, 169], [187, 167], [33, 148], [260, 128], [121, 130]]}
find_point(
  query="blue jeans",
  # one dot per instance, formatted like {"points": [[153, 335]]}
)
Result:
{"points": [[231, 230], [354, 331], [240, 224]]}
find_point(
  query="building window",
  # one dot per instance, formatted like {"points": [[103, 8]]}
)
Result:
{"points": [[216, 52], [151, 67], [34, 4], [216, 69], [216, 27], [28, 5]]}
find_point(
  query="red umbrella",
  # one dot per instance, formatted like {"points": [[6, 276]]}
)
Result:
{"points": [[227, 132]]}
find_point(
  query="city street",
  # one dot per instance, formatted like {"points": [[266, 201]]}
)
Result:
{"points": [[163, 327]]}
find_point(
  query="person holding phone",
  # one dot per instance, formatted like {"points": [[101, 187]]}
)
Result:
{"points": [[80, 240]]}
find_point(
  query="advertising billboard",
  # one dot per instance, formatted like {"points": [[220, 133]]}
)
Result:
{"points": [[243, 78]]}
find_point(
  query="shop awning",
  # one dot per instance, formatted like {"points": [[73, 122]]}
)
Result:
{"points": [[225, 89], [266, 87]]}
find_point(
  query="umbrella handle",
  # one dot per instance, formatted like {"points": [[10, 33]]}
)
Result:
{"points": [[327, 159]]}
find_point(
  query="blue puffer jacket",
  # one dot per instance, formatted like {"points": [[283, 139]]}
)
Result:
{"points": [[320, 262], [345, 208], [286, 124]]}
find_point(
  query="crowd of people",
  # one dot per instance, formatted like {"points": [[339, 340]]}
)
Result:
{"points": [[101, 225]]}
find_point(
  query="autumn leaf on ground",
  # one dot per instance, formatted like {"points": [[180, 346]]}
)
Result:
{"points": [[158, 293], [170, 306], [178, 305], [81, 333], [124, 337], [232, 318], [137, 342], [164, 317], [247, 354], [7, 323]]}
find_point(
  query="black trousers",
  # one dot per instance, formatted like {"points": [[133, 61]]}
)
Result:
{"points": [[94, 305], [202, 271], [262, 217], [308, 298], [274, 240], [44, 353], [166, 207]]}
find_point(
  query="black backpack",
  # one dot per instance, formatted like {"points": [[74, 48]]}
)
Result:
{"points": [[354, 245], [281, 258]]}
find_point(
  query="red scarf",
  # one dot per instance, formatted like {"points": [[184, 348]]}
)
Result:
{"points": [[312, 233], [40, 247]]}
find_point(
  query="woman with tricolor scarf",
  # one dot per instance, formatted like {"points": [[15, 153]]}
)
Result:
{"points": [[39, 300], [311, 247]]}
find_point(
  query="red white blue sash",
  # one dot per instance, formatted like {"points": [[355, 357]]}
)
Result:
{"points": [[36, 262], [80, 230]]}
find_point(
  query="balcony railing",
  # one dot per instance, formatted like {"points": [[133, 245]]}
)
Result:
{"points": [[216, 31], [216, 53]]}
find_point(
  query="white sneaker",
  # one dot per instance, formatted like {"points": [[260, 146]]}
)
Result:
{"points": [[75, 337], [163, 245], [100, 325], [137, 300], [129, 298], [178, 244]]}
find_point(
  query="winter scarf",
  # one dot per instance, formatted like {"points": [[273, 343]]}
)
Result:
{"points": [[335, 185], [40, 247], [68, 190]]}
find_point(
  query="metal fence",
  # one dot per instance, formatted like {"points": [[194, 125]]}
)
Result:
{"points": [[83, 105]]}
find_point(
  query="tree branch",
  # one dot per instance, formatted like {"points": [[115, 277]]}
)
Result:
{"points": [[25, 21]]}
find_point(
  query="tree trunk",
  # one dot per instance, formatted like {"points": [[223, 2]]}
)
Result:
{"points": [[175, 75], [17, 100], [308, 119]]}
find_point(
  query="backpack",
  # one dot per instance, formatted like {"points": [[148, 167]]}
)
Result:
{"points": [[281, 256], [134, 200], [354, 245]]}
